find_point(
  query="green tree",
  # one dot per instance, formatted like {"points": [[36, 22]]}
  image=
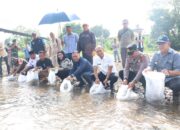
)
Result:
{"points": [[99, 31]]}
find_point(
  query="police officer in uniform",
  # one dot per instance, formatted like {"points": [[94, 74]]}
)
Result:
{"points": [[136, 62]]}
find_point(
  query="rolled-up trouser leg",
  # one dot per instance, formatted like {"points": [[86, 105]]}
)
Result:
{"points": [[123, 56]]}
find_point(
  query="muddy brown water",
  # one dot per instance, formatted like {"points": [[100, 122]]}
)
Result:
{"points": [[25, 107]]}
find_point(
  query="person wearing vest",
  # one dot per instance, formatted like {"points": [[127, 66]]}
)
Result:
{"points": [[126, 37], [37, 44], [136, 62], [140, 41], [167, 61]]}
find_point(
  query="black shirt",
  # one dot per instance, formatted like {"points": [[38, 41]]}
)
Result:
{"points": [[44, 63]]}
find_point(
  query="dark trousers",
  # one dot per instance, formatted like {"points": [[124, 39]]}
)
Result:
{"points": [[132, 75], [112, 78], [123, 56], [174, 85], [7, 65], [86, 78], [63, 74], [69, 56], [88, 57]]}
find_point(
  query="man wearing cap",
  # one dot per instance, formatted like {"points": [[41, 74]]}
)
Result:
{"points": [[70, 42], [37, 44], [136, 62], [44, 64], [82, 70], [31, 63], [87, 43], [105, 64], [167, 61], [126, 37]]}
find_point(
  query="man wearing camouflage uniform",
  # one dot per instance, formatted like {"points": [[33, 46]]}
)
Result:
{"points": [[136, 62]]}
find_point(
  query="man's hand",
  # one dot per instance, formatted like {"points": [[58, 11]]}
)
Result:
{"points": [[69, 78], [97, 81], [125, 82], [131, 85], [147, 69], [166, 72], [105, 82]]}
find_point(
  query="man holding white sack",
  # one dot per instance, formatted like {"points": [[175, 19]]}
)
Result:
{"points": [[82, 70], [136, 62], [31, 63], [167, 61], [106, 66], [45, 64]]}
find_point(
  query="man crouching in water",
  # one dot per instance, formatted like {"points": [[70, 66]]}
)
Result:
{"points": [[45, 64], [167, 61], [31, 63], [136, 62]]}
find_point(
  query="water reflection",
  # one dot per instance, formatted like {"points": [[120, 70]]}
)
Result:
{"points": [[45, 108]]}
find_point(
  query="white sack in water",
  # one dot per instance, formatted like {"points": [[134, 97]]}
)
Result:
{"points": [[98, 89], [32, 76], [66, 86], [125, 93], [22, 78], [11, 78], [52, 76], [155, 82]]}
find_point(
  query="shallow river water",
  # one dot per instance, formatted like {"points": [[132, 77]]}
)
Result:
{"points": [[24, 107]]}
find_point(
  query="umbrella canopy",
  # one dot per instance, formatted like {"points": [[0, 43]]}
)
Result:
{"points": [[58, 18]]}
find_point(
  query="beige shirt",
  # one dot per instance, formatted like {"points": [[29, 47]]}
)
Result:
{"points": [[3, 52], [126, 37]]}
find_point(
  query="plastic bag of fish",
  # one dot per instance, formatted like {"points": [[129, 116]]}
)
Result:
{"points": [[66, 86], [125, 93], [155, 82], [52, 76], [98, 89]]}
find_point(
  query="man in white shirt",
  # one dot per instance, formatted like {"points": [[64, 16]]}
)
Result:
{"points": [[105, 64], [31, 63]]}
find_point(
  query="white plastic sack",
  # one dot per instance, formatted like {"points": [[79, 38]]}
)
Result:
{"points": [[52, 76], [98, 89], [32, 76], [22, 78], [66, 86], [155, 82], [125, 93], [11, 78]]}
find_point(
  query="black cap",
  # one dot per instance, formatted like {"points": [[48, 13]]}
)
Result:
{"points": [[132, 47], [31, 52]]}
